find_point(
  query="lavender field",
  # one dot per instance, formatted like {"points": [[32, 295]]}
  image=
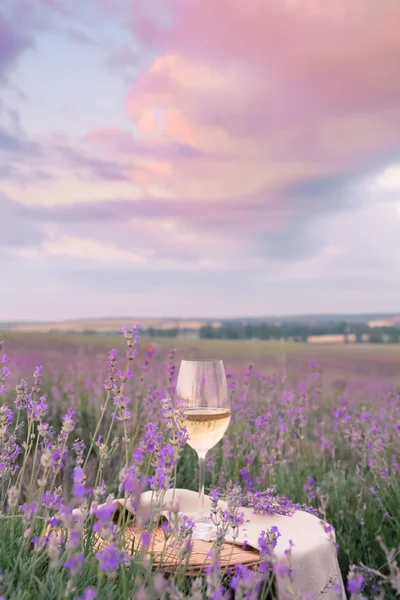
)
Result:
{"points": [[83, 417]]}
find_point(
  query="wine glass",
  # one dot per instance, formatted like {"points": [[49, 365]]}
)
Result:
{"points": [[202, 386]]}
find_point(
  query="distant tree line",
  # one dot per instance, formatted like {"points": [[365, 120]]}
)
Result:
{"points": [[290, 330], [160, 333], [300, 331]]}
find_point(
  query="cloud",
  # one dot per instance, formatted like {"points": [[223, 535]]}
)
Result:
{"points": [[281, 90], [12, 45], [16, 228], [317, 56], [96, 168], [15, 145], [257, 234], [57, 7], [124, 142], [80, 37], [23, 161], [86, 249], [124, 58]]}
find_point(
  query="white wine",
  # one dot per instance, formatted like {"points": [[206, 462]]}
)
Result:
{"points": [[206, 426]]}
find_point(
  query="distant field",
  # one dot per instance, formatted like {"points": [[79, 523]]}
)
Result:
{"points": [[106, 325], [339, 361]]}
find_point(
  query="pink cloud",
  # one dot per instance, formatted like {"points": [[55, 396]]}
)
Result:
{"points": [[310, 42], [269, 95], [148, 122], [266, 95], [114, 137], [253, 68]]}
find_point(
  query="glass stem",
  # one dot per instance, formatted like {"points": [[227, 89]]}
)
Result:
{"points": [[202, 469]]}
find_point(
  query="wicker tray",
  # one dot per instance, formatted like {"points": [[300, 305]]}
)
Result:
{"points": [[165, 554]]}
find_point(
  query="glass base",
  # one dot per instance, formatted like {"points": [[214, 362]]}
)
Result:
{"points": [[204, 530]]}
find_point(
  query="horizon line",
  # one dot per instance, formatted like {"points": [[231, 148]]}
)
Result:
{"points": [[200, 318]]}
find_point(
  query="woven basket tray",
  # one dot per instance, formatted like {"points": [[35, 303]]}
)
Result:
{"points": [[166, 555]]}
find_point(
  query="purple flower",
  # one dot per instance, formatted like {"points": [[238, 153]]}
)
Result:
{"points": [[6, 416], [74, 562], [309, 484], [268, 540], [122, 413], [166, 527], [132, 482], [145, 538], [88, 594], [105, 511], [138, 455], [242, 575], [43, 541], [57, 458], [39, 409], [4, 371], [111, 557], [29, 510], [79, 447], [150, 438], [23, 396], [78, 475], [68, 424], [130, 332], [354, 585], [80, 490], [52, 501]]}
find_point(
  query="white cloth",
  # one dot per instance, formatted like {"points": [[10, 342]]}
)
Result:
{"points": [[313, 557]]}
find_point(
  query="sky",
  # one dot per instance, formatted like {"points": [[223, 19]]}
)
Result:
{"points": [[210, 158]]}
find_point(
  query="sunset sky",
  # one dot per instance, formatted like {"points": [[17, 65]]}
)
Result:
{"points": [[199, 157]]}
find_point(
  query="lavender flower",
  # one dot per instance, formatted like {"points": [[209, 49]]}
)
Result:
{"points": [[23, 397], [74, 562], [145, 538], [88, 594], [111, 558], [4, 371], [268, 540], [38, 409], [174, 417], [80, 490], [122, 412], [37, 379], [355, 583], [29, 511], [112, 368], [79, 447], [164, 463], [68, 424], [9, 448], [309, 487]]}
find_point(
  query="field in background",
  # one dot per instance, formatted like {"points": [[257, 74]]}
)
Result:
{"points": [[318, 434], [341, 362], [106, 325]]}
